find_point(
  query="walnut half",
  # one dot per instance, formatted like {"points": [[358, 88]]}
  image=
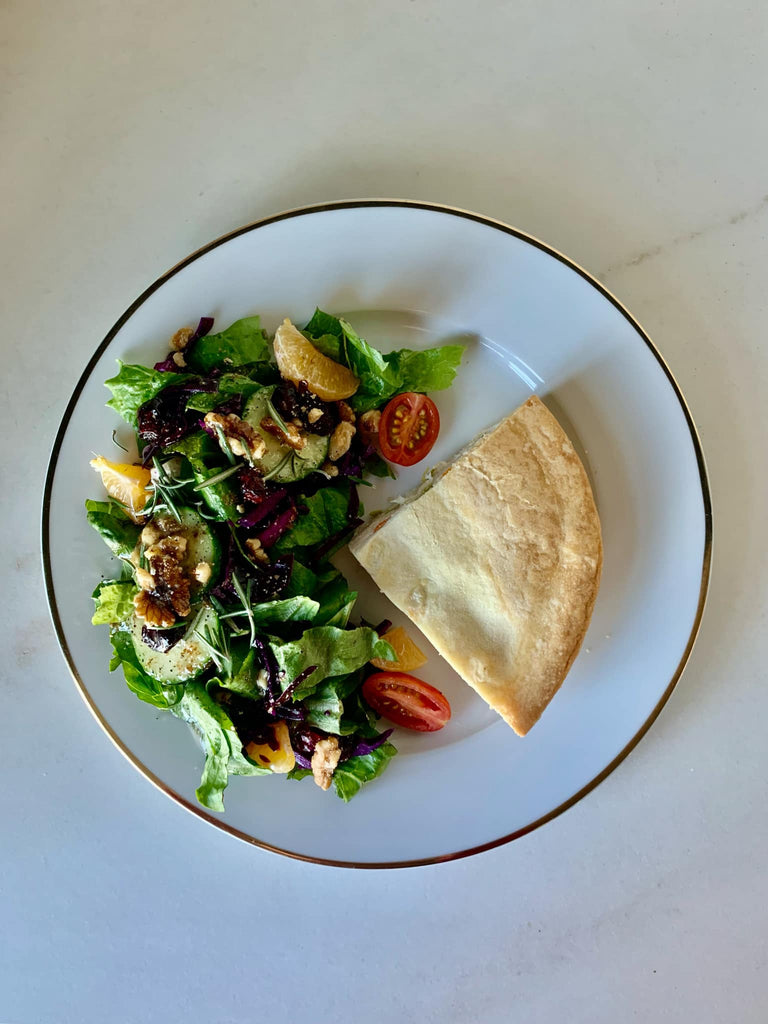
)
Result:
{"points": [[153, 610], [239, 434], [341, 439], [325, 758]]}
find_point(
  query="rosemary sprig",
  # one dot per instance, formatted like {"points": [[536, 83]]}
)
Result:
{"points": [[224, 443], [116, 443], [164, 487], [210, 516], [279, 466], [214, 639], [277, 417], [245, 599], [242, 550], [216, 478]]}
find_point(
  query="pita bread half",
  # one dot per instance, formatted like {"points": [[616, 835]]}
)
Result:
{"points": [[498, 562]]}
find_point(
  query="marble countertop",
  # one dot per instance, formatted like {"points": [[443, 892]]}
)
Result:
{"points": [[629, 136]]}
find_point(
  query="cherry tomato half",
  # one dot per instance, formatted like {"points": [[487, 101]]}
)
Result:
{"points": [[408, 429], [407, 701]]}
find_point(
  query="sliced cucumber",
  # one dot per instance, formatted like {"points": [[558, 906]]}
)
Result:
{"points": [[185, 660], [202, 546], [280, 462]]}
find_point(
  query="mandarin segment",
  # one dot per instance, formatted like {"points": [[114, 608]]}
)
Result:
{"points": [[409, 657], [298, 359], [124, 482]]}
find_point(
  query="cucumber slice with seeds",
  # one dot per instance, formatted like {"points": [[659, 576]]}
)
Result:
{"points": [[185, 660], [202, 546], [280, 462]]}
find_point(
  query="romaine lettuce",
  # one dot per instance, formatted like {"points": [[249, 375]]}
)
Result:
{"points": [[242, 343], [118, 530], [114, 602], [351, 775], [333, 652], [383, 376], [222, 745], [134, 385], [145, 687]]}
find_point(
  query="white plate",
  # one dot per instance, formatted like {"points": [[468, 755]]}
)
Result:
{"points": [[415, 274]]}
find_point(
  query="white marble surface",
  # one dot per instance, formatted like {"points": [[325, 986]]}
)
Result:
{"points": [[629, 135]]}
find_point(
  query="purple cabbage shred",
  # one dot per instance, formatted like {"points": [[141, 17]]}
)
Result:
{"points": [[279, 525], [368, 746], [268, 505], [168, 365]]}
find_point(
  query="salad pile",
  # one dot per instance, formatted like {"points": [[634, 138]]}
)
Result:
{"points": [[229, 612]]}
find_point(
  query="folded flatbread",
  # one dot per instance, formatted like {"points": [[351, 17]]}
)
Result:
{"points": [[498, 562]]}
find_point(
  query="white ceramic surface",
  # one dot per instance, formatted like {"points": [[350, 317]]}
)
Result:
{"points": [[411, 275]]}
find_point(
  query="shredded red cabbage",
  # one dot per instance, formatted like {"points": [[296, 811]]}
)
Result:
{"points": [[267, 582], [352, 462], [279, 525], [270, 665], [168, 365], [368, 746], [162, 639], [203, 328], [268, 505]]}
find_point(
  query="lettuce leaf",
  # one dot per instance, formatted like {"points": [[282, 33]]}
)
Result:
{"points": [[351, 775], [383, 376], [286, 609], [242, 343], [334, 652], [230, 384], [114, 602], [327, 705], [324, 324], [302, 581], [222, 745], [134, 385], [326, 515], [335, 602], [117, 529], [145, 687], [204, 456]]}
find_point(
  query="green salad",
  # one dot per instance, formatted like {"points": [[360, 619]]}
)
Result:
{"points": [[228, 611]]}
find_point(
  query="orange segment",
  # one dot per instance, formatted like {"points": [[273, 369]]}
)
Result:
{"points": [[124, 482], [276, 755], [408, 654], [298, 359]]}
